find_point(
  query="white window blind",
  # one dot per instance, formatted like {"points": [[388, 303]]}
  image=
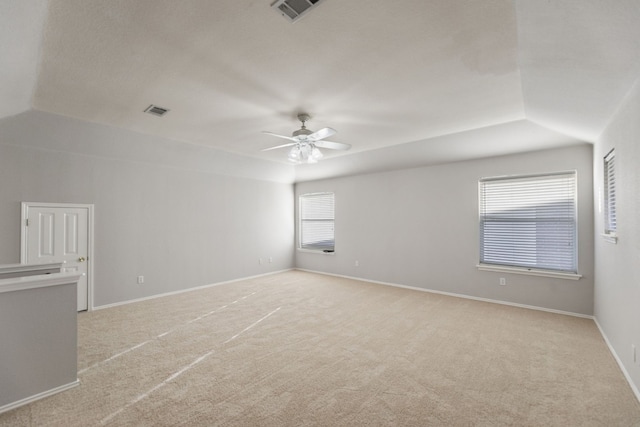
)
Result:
{"points": [[317, 221], [529, 222], [610, 221]]}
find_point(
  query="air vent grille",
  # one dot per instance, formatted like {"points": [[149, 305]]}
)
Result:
{"points": [[293, 10], [156, 111]]}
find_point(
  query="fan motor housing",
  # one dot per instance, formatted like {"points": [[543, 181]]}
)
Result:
{"points": [[302, 132]]}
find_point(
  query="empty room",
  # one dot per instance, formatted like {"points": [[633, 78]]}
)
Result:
{"points": [[320, 212]]}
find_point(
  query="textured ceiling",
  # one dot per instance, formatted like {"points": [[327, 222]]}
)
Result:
{"points": [[230, 69], [21, 25], [382, 73], [578, 60]]}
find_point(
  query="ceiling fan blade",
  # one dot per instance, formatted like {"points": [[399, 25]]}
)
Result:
{"points": [[280, 136], [322, 134], [280, 146], [332, 145]]}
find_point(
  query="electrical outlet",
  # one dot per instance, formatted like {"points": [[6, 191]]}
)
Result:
{"points": [[140, 280], [260, 261], [357, 263], [270, 259], [503, 281]]}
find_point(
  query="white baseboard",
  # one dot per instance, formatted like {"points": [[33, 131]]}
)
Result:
{"points": [[38, 396], [131, 301], [451, 294], [618, 360]]}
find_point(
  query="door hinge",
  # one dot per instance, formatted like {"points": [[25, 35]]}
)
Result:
{"points": [[27, 222]]}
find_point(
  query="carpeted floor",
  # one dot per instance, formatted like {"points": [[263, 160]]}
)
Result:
{"points": [[297, 348]]}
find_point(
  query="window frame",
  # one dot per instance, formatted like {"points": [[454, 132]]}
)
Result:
{"points": [[300, 244], [609, 204], [521, 268]]}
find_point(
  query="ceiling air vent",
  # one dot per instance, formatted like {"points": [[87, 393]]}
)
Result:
{"points": [[156, 111], [293, 10]]}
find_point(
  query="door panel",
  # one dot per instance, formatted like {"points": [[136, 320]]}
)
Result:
{"points": [[46, 235], [71, 234]]}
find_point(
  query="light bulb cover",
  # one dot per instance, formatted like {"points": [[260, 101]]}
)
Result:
{"points": [[294, 154], [316, 153], [304, 153]]}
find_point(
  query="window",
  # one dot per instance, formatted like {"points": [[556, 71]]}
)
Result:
{"points": [[317, 222], [610, 221], [529, 222]]}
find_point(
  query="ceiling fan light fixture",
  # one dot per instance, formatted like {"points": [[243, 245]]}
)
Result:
{"points": [[303, 143]]}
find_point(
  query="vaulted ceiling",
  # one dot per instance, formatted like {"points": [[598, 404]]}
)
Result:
{"points": [[410, 81]]}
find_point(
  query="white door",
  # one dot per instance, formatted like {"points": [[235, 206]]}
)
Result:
{"points": [[59, 233]]}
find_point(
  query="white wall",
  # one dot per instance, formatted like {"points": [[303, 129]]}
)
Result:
{"points": [[419, 227], [617, 269], [178, 215], [172, 212]]}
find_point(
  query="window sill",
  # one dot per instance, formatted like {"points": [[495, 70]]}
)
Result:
{"points": [[312, 251], [611, 238], [529, 272]]}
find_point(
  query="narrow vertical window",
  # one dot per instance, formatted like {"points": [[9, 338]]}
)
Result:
{"points": [[529, 222], [316, 225], [610, 220]]}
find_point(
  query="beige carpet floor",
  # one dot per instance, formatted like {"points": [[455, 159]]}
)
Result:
{"points": [[296, 349]]}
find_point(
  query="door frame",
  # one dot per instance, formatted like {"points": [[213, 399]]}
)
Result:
{"points": [[24, 232]]}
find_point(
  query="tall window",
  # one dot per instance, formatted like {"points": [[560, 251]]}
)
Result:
{"points": [[317, 222], [610, 223], [529, 222]]}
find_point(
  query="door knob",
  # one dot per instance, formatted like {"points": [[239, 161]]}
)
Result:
{"points": [[81, 259]]}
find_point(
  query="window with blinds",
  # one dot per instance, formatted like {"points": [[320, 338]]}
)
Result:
{"points": [[610, 222], [529, 222], [316, 227]]}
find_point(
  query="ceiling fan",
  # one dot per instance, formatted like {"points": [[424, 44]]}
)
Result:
{"points": [[305, 143]]}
